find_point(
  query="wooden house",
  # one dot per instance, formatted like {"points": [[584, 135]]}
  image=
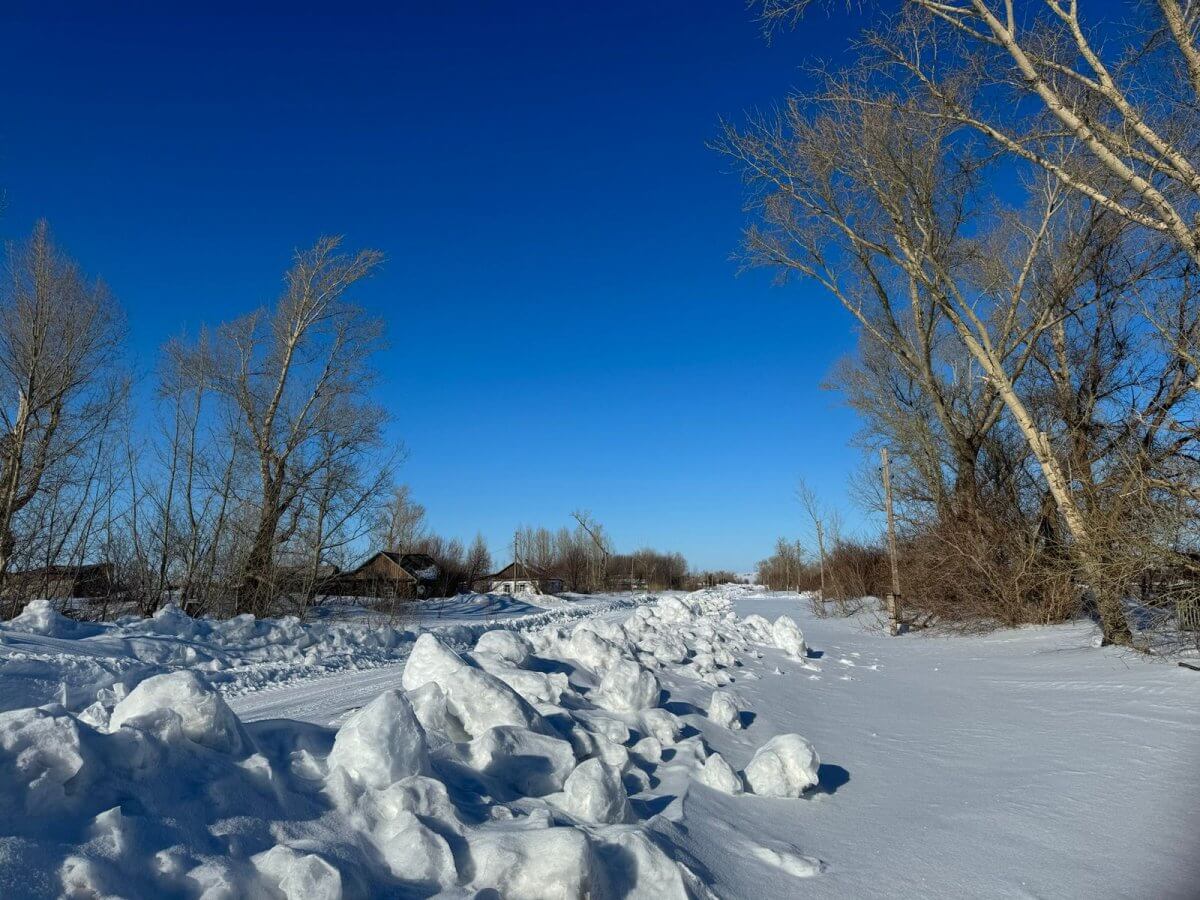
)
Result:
{"points": [[519, 578], [389, 575], [64, 582]]}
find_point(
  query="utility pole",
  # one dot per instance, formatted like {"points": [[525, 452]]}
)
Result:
{"points": [[893, 599]]}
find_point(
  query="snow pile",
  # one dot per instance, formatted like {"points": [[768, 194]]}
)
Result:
{"points": [[513, 767], [40, 617]]}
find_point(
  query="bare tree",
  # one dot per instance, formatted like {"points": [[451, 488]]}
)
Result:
{"points": [[399, 521], [291, 376], [60, 338]]}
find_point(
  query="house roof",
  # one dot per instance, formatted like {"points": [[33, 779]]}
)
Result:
{"points": [[81, 571], [520, 570], [419, 566]]}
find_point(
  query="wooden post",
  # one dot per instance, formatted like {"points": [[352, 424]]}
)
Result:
{"points": [[893, 599], [821, 556]]}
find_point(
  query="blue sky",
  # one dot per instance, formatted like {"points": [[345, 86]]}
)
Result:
{"points": [[567, 326]]}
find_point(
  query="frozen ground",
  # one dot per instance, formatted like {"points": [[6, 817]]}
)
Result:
{"points": [[600, 750]]}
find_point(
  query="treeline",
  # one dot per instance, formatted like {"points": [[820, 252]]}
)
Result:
{"points": [[584, 559], [1005, 206]]}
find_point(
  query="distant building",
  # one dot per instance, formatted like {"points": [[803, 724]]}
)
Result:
{"points": [[390, 575], [65, 582], [518, 578], [636, 585]]}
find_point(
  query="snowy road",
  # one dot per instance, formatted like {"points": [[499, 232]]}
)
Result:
{"points": [[322, 701], [327, 699]]}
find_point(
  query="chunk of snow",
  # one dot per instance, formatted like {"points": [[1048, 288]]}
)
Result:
{"points": [[628, 687], [788, 637], [41, 757], [661, 724], [381, 743], [541, 864], [509, 646], [522, 760], [636, 867], [430, 660], [414, 852], [717, 774], [785, 766], [594, 792], [299, 876], [204, 716], [479, 701], [723, 710], [40, 617], [593, 651]]}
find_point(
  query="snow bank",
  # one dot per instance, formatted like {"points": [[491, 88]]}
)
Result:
{"points": [[40, 617], [492, 770]]}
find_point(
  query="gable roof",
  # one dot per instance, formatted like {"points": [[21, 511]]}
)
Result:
{"points": [[521, 570], [417, 566]]}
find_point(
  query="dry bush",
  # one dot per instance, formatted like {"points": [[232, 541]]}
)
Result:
{"points": [[855, 570], [972, 573]]}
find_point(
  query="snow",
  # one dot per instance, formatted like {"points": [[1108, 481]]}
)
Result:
{"points": [[723, 710], [628, 686], [181, 700], [654, 748], [719, 775], [595, 793], [785, 766], [788, 637], [381, 743]]}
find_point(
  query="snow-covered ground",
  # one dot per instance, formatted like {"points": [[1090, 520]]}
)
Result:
{"points": [[697, 746]]}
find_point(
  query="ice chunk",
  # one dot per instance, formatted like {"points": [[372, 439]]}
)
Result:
{"points": [[723, 710], [788, 637], [717, 774], [785, 766], [480, 701], [381, 743], [627, 687], [635, 867], [414, 852], [204, 716], [40, 617], [594, 793], [592, 651], [429, 703], [661, 724], [649, 749]]}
